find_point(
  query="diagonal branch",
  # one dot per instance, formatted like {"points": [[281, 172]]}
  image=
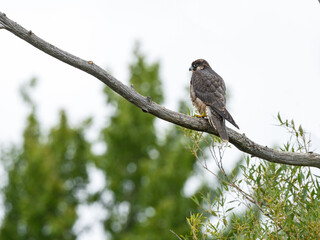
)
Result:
{"points": [[147, 105]]}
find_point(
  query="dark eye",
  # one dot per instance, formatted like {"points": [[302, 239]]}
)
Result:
{"points": [[195, 65]]}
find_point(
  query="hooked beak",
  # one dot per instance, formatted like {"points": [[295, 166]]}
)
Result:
{"points": [[191, 68]]}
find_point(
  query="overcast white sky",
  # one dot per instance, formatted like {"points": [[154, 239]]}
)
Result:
{"points": [[268, 53]]}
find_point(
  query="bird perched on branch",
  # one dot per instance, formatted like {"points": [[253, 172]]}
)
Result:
{"points": [[208, 95]]}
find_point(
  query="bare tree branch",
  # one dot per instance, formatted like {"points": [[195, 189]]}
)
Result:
{"points": [[147, 105]]}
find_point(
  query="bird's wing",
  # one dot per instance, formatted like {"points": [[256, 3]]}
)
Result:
{"points": [[209, 87]]}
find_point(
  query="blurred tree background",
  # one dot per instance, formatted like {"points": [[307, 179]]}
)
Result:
{"points": [[44, 175], [145, 173], [146, 169]]}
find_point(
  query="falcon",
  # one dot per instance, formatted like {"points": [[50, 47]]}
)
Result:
{"points": [[208, 95]]}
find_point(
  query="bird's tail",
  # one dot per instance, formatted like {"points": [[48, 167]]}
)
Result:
{"points": [[226, 115], [230, 119], [218, 123]]}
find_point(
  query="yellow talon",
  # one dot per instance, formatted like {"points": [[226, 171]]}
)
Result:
{"points": [[201, 115]]}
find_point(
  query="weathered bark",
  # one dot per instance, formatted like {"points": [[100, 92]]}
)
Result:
{"points": [[147, 105]]}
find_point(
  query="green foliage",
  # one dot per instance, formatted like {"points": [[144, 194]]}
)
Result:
{"points": [[145, 175], [268, 201], [145, 178], [44, 176], [299, 140]]}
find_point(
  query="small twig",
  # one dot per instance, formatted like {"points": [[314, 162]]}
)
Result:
{"points": [[175, 234], [311, 176], [227, 180]]}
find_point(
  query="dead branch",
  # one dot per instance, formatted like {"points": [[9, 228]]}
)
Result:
{"points": [[146, 104]]}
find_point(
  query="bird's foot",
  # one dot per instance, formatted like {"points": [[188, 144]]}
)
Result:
{"points": [[201, 115]]}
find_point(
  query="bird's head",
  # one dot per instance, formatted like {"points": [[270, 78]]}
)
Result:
{"points": [[199, 65]]}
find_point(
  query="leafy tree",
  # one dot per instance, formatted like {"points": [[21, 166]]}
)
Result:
{"points": [[145, 174], [44, 176], [278, 201]]}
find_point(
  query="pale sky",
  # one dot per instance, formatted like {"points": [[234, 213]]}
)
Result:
{"points": [[268, 53]]}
